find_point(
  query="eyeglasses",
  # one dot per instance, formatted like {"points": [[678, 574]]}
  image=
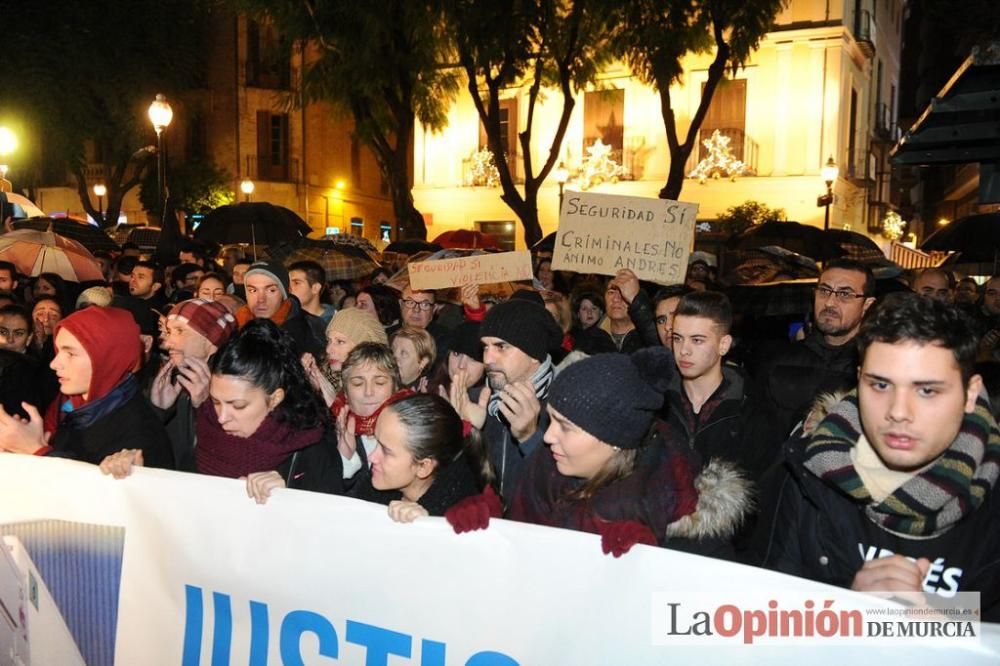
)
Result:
{"points": [[411, 304], [843, 295]]}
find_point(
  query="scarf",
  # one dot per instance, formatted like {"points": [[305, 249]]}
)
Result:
{"points": [[540, 380], [932, 501], [220, 454], [64, 412], [245, 315], [365, 425]]}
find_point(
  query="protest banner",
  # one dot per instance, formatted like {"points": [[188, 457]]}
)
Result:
{"points": [[603, 233], [475, 269], [207, 576]]}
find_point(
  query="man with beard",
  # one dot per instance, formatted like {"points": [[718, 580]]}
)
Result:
{"points": [[827, 359]]}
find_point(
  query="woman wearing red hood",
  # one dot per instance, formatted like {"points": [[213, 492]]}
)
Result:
{"points": [[99, 409]]}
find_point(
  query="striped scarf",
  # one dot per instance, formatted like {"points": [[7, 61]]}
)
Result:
{"points": [[931, 502], [540, 380]]}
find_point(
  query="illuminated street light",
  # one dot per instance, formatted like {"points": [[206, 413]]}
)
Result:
{"points": [[562, 175], [246, 186], [160, 114], [8, 144], [100, 191], [829, 172]]}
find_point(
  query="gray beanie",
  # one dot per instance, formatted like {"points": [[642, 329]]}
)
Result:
{"points": [[276, 272]]}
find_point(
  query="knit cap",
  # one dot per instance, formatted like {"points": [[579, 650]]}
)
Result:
{"points": [[100, 296], [276, 272], [610, 395], [465, 339], [358, 325], [524, 324], [210, 320]]}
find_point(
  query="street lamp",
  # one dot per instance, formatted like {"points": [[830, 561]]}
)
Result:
{"points": [[247, 188], [830, 171], [562, 175], [100, 191], [8, 144], [160, 114]]}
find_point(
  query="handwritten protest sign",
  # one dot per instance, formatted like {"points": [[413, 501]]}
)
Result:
{"points": [[478, 269], [603, 233]]}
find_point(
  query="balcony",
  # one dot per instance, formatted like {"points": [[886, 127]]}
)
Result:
{"points": [[884, 130], [741, 147], [864, 32], [281, 173]]}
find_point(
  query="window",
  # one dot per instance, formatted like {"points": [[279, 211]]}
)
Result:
{"points": [[508, 132], [503, 231], [603, 118], [272, 146], [197, 138], [852, 170], [385, 231], [269, 62], [727, 112], [357, 227]]}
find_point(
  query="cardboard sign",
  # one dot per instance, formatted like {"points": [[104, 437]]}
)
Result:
{"points": [[478, 269], [603, 233]]}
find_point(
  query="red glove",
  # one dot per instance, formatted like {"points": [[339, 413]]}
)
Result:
{"points": [[618, 537], [474, 513]]}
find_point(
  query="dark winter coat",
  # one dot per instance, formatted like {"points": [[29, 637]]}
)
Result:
{"points": [[506, 454], [317, 468], [451, 484], [307, 330]]}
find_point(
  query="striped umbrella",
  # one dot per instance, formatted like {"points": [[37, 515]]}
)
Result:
{"points": [[35, 252]]}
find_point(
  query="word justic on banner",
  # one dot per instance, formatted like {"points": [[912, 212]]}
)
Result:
{"points": [[604, 233], [207, 576], [476, 269]]}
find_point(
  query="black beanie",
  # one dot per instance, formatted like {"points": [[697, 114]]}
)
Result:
{"points": [[524, 324], [609, 396], [465, 340]]}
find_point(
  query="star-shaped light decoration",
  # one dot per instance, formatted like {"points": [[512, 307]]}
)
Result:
{"points": [[719, 161], [598, 166]]}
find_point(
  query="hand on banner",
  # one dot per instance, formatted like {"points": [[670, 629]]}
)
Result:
{"points": [[473, 412], [520, 405], [627, 283], [164, 392], [474, 513], [20, 435], [194, 376], [897, 574], [317, 379], [347, 440], [470, 296], [618, 537], [119, 465], [260, 485], [403, 511]]}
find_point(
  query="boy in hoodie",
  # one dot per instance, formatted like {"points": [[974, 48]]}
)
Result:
{"points": [[99, 409], [895, 490]]}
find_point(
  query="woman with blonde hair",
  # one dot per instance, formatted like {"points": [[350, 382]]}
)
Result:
{"points": [[415, 353]]}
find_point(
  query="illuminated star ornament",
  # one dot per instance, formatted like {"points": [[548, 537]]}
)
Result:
{"points": [[893, 225], [719, 161], [484, 170], [599, 167]]}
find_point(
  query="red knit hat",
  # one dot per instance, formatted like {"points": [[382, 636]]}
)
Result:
{"points": [[110, 337], [209, 319]]}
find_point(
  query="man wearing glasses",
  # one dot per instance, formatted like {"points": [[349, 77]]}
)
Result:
{"points": [[826, 359], [418, 309]]}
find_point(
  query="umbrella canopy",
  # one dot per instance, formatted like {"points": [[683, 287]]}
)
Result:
{"points": [[35, 252], [976, 237], [467, 239], [257, 223], [341, 261], [807, 240], [22, 206], [351, 240], [547, 244], [89, 236]]}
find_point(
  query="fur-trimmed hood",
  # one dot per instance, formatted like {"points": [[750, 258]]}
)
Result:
{"points": [[725, 499]]}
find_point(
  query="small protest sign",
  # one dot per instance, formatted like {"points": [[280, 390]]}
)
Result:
{"points": [[478, 269]]}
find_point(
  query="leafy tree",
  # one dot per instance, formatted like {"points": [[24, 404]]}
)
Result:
{"points": [[743, 216], [655, 36], [77, 71], [553, 48], [194, 186], [384, 63]]}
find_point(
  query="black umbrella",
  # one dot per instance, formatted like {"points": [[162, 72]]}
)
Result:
{"points": [[91, 237], [808, 240], [257, 223], [547, 244], [168, 244], [976, 237], [411, 246]]}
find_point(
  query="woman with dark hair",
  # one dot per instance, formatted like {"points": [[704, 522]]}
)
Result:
{"points": [[465, 355], [608, 469], [586, 335], [211, 286], [263, 420], [49, 284], [383, 302], [421, 465]]}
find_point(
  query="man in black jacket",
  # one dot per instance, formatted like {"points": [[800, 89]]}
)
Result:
{"points": [[268, 298], [895, 490]]}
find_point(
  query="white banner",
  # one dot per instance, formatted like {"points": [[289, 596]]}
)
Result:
{"points": [[210, 577]]}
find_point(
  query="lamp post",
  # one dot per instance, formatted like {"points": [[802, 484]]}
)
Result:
{"points": [[8, 144], [247, 188], [830, 171], [160, 114], [562, 175], [100, 191]]}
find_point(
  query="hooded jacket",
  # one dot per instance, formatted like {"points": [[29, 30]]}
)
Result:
{"points": [[113, 415]]}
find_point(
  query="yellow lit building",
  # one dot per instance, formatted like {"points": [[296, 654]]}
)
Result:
{"points": [[824, 83]]}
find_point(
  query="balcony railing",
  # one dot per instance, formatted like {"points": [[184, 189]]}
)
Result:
{"points": [[864, 32], [885, 128], [285, 173], [741, 147]]}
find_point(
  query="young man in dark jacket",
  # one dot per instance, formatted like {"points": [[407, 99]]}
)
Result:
{"points": [[896, 489], [268, 298]]}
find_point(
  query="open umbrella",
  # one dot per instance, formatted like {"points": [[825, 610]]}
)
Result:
{"points": [[807, 240], [21, 207], [257, 223], [91, 237], [341, 261], [547, 244], [976, 237], [467, 239], [35, 252]]}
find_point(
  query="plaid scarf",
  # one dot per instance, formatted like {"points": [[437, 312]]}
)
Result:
{"points": [[540, 380], [931, 502]]}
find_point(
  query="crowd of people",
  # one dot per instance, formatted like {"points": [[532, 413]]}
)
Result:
{"points": [[857, 446]]}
